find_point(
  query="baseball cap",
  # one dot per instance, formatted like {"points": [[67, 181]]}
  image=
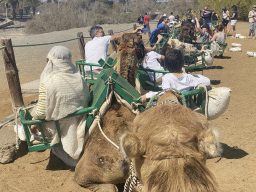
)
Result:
{"points": [[164, 14], [223, 8], [254, 6]]}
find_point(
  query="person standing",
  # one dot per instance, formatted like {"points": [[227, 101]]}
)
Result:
{"points": [[233, 20], [141, 20], [171, 17], [146, 20], [189, 11], [225, 18], [207, 15], [252, 21], [215, 18]]}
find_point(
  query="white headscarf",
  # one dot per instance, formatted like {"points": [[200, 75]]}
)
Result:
{"points": [[66, 93], [66, 90]]}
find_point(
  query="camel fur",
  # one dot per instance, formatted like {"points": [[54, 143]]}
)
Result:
{"points": [[168, 146], [102, 166], [128, 63]]}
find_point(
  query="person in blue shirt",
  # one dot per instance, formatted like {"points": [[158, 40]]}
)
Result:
{"points": [[233, 19], [207, 15], [162, 27], [188, 12]]}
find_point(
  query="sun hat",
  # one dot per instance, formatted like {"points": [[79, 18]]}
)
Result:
{"points": [[254, 6]]}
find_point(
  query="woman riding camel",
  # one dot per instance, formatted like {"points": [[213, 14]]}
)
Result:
{"points": [[62, 91]]}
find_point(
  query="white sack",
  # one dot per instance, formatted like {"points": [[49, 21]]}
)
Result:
{"points": [[218, 101], [208, 56], [235, 49]]}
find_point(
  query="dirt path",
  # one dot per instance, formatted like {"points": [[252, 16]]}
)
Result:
{"points": [[235, 171]]}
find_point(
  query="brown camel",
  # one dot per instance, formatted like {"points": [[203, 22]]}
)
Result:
{"points": [[102, 165], [168, 147]]}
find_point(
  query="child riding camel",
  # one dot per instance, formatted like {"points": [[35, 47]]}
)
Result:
{"points": [[176, 79]]}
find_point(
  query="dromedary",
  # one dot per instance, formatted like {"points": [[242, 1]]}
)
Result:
{"points": [[102, 165], [168, 147], [101, 162]]}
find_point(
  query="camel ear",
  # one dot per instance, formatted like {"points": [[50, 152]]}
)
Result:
{"points": [[209, 143], [131, 146]]}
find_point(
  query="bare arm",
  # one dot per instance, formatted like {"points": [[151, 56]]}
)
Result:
{"points": [[177, 26], [148, 49], [232, 16], [118, 35], [215, 36], [198, 26]]}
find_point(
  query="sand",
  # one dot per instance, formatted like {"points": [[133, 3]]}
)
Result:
{"points": [[235, 171]]}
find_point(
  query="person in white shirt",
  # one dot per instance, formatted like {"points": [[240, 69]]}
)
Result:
{"points": [[151, 62], [171, 17], [176, 79], [97, 48]]}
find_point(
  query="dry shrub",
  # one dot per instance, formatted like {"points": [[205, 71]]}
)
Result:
{"points": [[82, 13]]}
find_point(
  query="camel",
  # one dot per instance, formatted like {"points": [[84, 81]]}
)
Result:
{"points": [[102, 165], [168, 146]]}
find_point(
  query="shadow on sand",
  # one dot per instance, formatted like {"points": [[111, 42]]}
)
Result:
{"points": [[215, 82], [232, 152]]}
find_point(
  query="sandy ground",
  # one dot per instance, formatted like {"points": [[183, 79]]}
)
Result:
{"points": [[235, 171]]}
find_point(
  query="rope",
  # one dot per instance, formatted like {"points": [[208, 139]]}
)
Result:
{"points": [[125, 30], [132, 181], [55, 42], [155, 97], [2, 47], [98, 119], [17, 111], [38, 44]]}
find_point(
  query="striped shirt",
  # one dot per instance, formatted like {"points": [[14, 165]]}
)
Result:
{"points": [[41, 105]]}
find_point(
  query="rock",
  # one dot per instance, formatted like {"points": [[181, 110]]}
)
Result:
{"points": [[7, 155]]}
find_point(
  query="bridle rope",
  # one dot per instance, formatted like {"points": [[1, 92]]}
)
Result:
{"points": [[132, 181]]}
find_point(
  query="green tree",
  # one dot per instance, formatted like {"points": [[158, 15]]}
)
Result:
{"points": [[14, 4]]}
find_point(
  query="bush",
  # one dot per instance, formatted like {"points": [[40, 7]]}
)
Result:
{"points": [[82, 13]]}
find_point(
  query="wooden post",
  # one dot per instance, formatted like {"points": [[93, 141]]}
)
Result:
{"points": [[113, 44], [81, 45], [134, 26], [12, 74]]}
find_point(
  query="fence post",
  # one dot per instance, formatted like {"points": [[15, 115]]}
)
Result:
{"points": [[113, 44], [12, 74], [134, 26], [81, 44]]}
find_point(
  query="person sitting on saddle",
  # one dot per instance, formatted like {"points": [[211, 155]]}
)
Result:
{"points": [[151, 61], [162, 27], [176, 79], [188, 21], [97, 48], [62, 91], [220, 36]]}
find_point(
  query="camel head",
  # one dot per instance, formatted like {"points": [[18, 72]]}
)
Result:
{"points": [[168, 147], [130, 53]]}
